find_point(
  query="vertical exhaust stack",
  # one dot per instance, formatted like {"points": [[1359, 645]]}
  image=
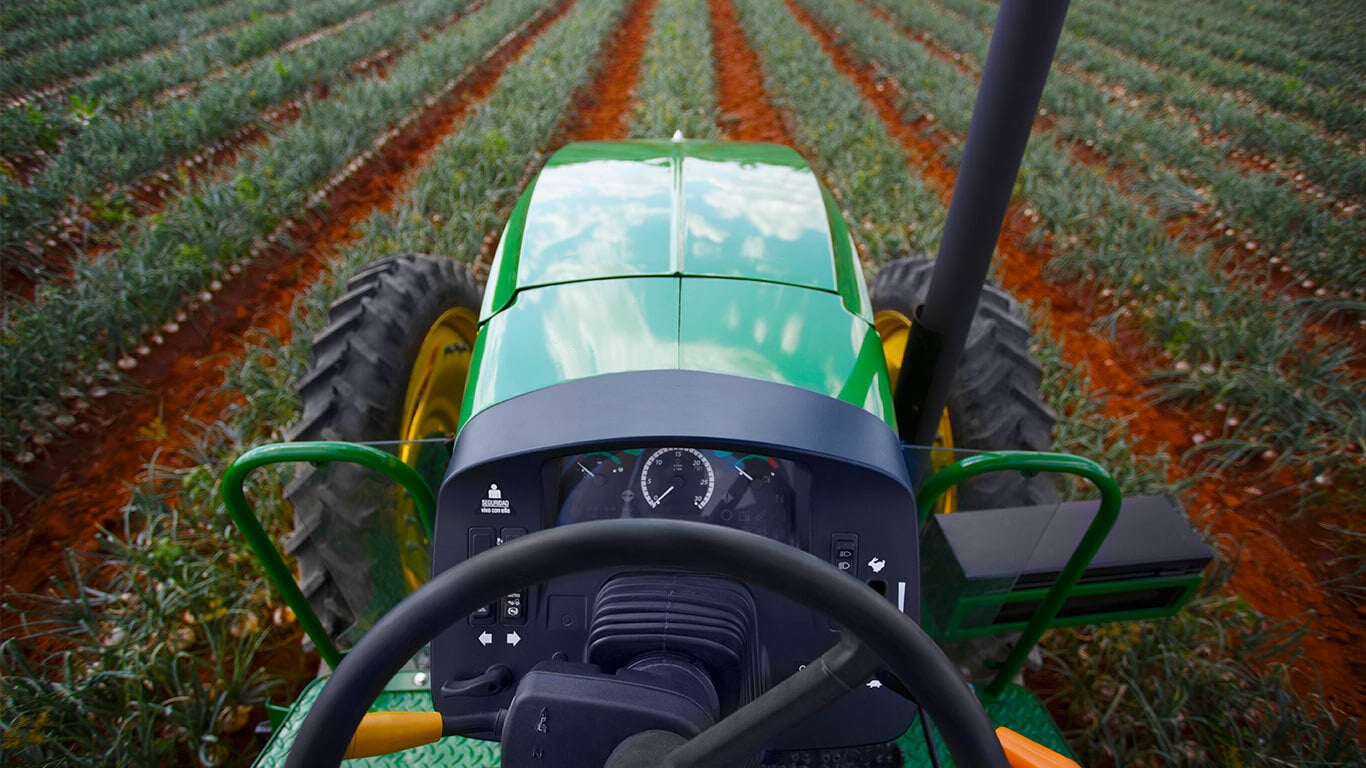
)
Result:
{"points": [[1021, 53]]}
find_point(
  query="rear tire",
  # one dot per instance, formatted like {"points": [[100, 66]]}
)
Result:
{"points": [[359, 545], [994, 403]]}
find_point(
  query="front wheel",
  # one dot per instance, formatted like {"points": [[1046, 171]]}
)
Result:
{"points": [[391, 365]]}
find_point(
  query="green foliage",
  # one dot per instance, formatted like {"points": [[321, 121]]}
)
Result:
{"points": [[44, 58], [156, 635], [1208, 687], [113, 149], [677, 90], [1286, 395], [136, 287]]}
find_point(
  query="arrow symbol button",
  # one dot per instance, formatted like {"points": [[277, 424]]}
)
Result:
{"points": [[513, 639], [485, 638]]}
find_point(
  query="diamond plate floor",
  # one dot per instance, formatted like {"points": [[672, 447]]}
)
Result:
{"points": [[1017, 709]]}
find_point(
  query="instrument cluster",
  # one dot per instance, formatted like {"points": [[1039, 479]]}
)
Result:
{"points": [[747, 491]]}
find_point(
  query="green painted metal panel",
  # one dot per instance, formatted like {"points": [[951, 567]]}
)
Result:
{"points": [[755, 212], [767, 331], [783, 334], [600, 211], [555, 334]]}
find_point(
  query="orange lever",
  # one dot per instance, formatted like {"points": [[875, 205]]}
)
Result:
{"points": [[1022, 752]]}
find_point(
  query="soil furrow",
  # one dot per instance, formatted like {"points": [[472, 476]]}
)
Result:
{"points": [[82, 484], [746, 112], [1279, 575], [602, 109]]}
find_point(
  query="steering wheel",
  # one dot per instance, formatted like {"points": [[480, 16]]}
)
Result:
{"points": [[865, 616]]}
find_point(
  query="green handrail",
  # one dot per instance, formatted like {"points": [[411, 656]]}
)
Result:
{"points": [[1027, 461], [235, 499]]}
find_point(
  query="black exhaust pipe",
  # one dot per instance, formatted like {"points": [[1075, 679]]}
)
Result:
{"points": [[1021, 53]]}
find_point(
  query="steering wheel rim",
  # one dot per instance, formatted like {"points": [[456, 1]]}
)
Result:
{"points": [[453, 594]]}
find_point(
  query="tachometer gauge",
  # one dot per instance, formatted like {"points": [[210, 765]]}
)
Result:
{"points": [[677, 477]]}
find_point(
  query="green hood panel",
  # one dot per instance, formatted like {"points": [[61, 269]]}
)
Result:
{"points": [[773, 332], [635, 209]]}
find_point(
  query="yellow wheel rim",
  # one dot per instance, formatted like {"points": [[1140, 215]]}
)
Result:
{"points": [[431, 404], [893, 328]]}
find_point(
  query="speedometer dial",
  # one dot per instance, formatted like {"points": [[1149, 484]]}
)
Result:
{"points": [[677, 478]]}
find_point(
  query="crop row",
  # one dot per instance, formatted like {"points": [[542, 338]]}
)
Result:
{"points": [[115, 88], [18, 16], [1287, 394], [677, 87], [129, 292], [1338, 168], [112, 152], [194, 680], [1330, 31], [1188, 715], [1330, 160], [18, 38], [1170, 158], [47, 64], [1330, 92]]}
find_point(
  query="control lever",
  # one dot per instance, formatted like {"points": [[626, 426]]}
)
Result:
{"points": [[495, 680]]}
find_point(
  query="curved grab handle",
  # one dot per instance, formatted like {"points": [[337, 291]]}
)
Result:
{"points": [[235, 499], [1028, 461]]}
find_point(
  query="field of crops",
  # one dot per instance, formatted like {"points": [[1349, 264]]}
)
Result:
{"points": [[186, 185]]}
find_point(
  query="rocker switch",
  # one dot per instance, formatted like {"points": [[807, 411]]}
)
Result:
{"points": [[481, 540], [844, 552], [513, 606]]}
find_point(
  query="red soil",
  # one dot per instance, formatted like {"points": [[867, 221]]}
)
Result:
{"points": [[603, 109], [746, 113], [84, 484], [1281, 560]]}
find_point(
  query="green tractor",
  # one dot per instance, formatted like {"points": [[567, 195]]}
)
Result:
{"points": [[675, 489]]}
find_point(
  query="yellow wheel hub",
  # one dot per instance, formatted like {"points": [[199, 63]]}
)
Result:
{"points": [[893, 328], [431, 405]]}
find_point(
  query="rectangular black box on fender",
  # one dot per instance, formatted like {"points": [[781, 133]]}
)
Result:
{"points": [[986, 571]]}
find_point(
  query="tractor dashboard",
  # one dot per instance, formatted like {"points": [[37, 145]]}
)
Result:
{"points": [[778, 461]]}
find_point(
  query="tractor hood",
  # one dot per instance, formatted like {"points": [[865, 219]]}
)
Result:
{"points": [[726, 258], [708, 209]]}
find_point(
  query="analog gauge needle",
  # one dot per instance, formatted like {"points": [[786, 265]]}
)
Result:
{"points": [[666, 492], [743, 473], [586, 470]]}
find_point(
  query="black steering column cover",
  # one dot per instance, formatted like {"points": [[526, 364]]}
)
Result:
{"points": [[454, 593]]}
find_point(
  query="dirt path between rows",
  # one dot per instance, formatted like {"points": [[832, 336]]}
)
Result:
{"points": [[746, 112], [1278, 575], [86, 482]]}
